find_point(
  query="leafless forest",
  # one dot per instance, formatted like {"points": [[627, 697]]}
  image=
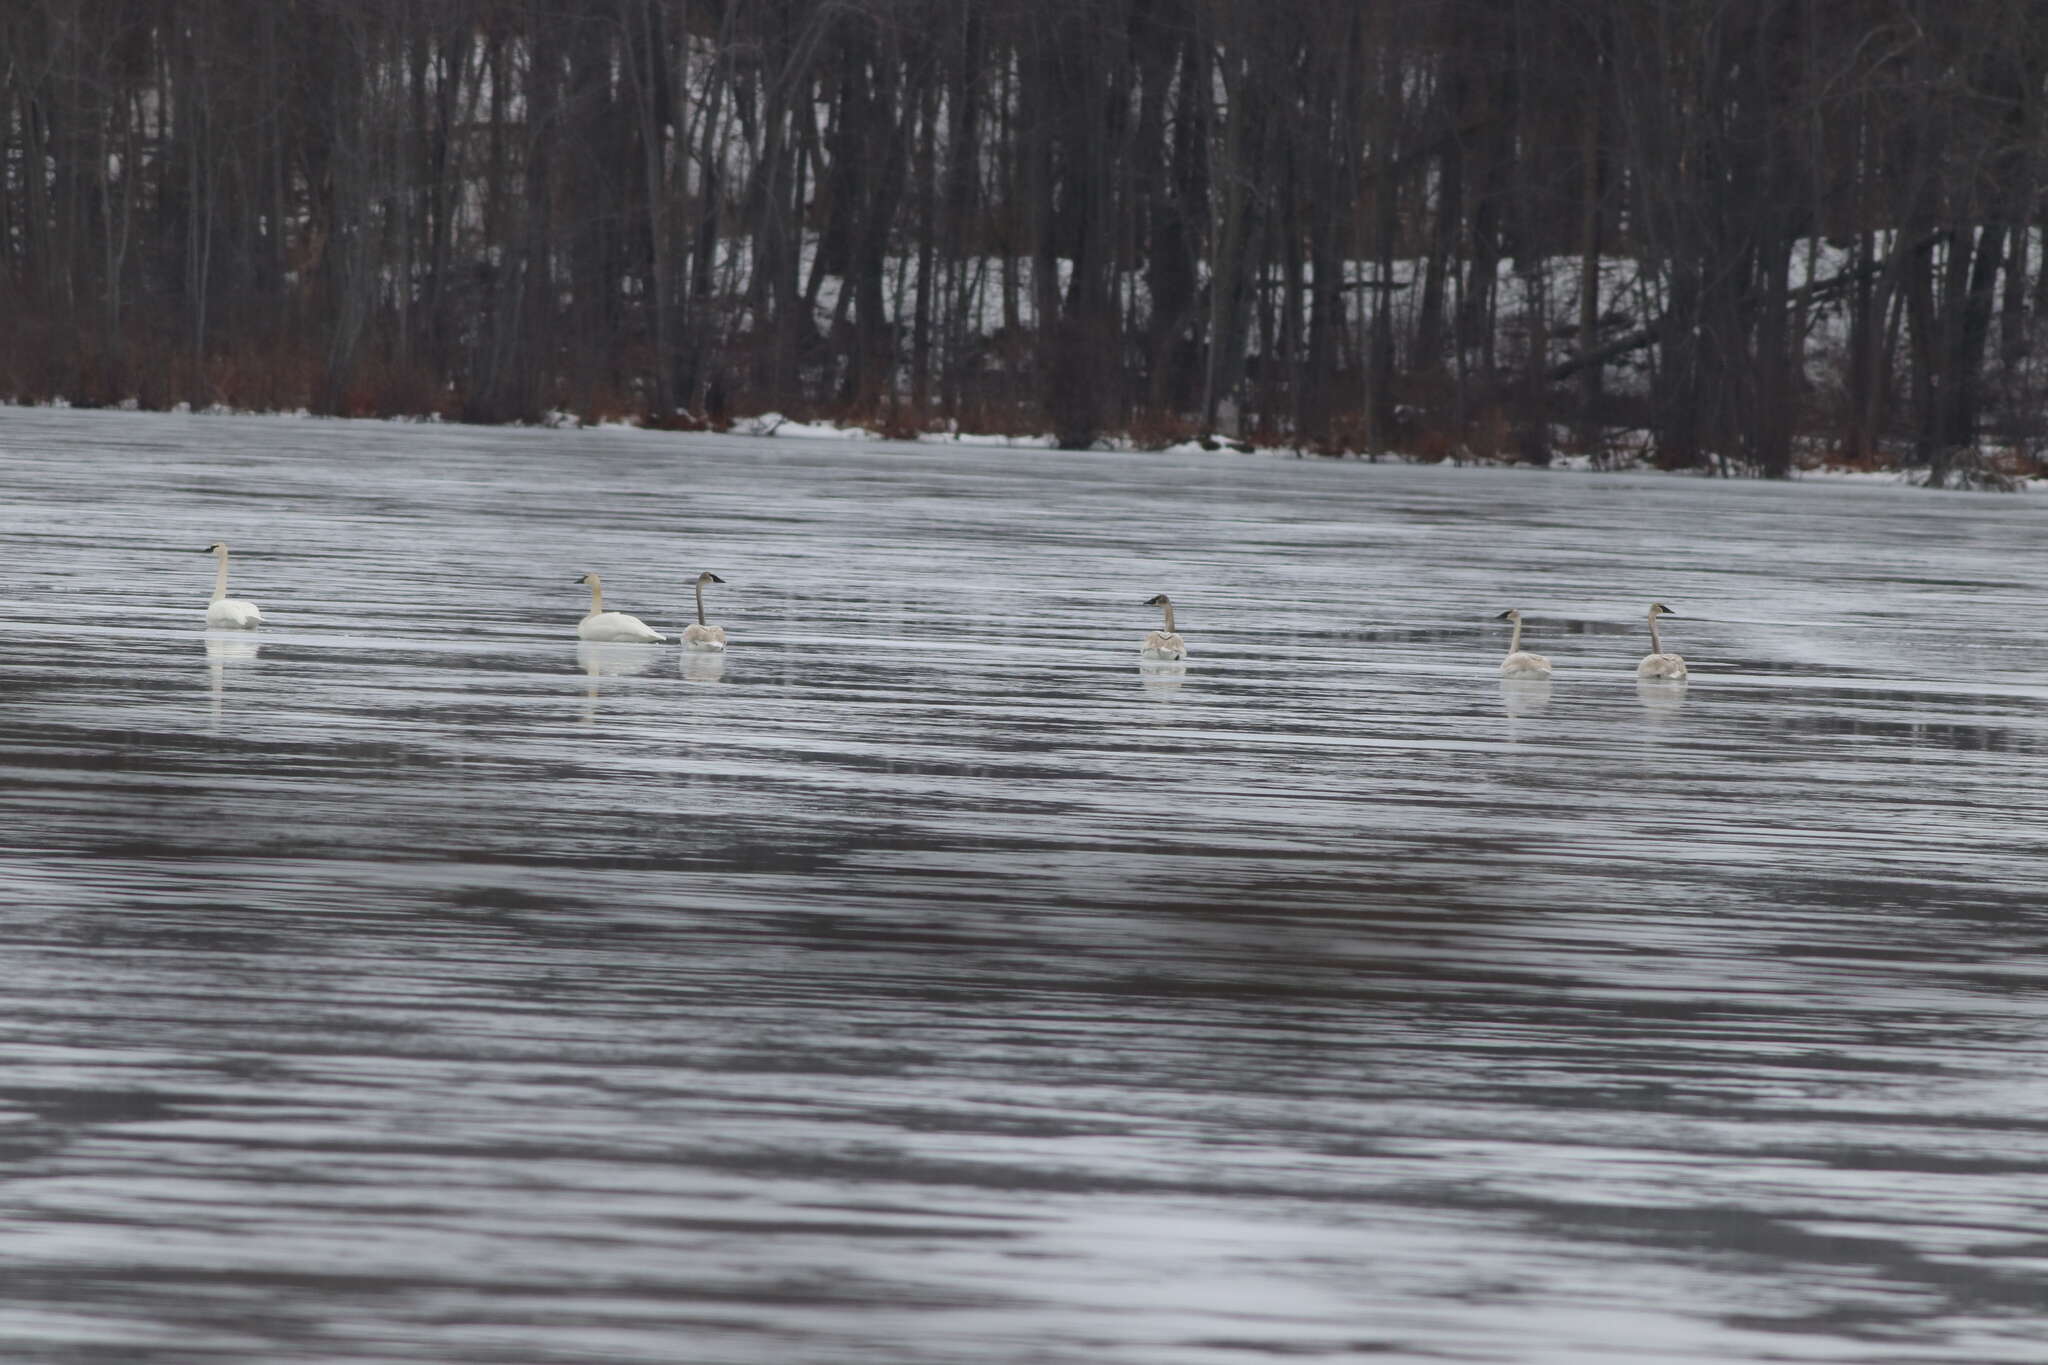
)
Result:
{"points": [[1739, 228]]}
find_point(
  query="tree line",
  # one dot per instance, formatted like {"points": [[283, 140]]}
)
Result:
{"points": [[1742, 227]]}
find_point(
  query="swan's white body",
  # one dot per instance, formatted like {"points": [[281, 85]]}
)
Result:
{"points": [[225, 612], [617, 628], [1657, 664], [612, 627], [701, 636], [1520, 663], [1163, 644], [232, 613]]}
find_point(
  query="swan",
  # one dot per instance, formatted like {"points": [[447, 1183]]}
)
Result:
{"points": [[1164, 644], [1519, 663], [701, 636], [225, 612], [1657, 664], [612, 627]]}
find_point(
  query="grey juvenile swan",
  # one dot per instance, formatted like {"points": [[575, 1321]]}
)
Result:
{"points": [[1657, 664], [701, 636], [1167, 643], [1520, 663]]}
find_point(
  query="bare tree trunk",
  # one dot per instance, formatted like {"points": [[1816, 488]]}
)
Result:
{"points": [[646, 66], [1591, 215], [1235, 215]]}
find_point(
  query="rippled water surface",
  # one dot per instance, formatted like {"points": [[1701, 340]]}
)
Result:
{"points": [[926, 981]]}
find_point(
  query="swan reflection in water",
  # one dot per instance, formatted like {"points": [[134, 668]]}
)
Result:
{"points": [[707, 666], [615, 660], [1663, 696], [1524, 696], [606, 660], [222, 653], [1162, 677]]}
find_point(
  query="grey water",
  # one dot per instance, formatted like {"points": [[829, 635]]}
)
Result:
{"points": [[928, 981]]}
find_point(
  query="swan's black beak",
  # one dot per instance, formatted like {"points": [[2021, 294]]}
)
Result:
{"points": [[1507, 615], [715, 578]]}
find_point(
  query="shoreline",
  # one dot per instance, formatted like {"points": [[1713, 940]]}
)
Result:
{"points": [[777, 426]]}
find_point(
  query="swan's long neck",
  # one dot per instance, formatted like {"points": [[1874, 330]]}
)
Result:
{"points": [[700, 604], [596, 595], [1515, 644], [220, 579], [1169, 616], [1656, 645]]}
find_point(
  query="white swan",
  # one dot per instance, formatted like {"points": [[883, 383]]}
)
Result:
{"points": [[225, 612], [1658, 664], [1163, 644], [701, 636], [1520, 663], [612, 627]]}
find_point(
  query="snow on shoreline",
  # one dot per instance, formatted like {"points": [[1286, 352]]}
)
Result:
{"points": [[777, 425]]}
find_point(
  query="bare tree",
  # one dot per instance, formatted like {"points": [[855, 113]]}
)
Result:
{"points": [[1302, 211]]}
